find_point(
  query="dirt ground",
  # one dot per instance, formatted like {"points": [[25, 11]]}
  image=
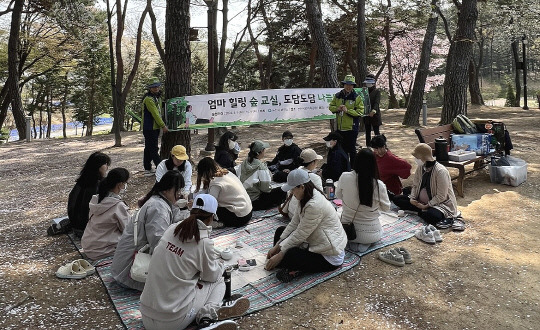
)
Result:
{"points": [[486, 277]]}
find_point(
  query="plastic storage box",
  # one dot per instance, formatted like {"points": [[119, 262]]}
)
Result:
{"points": [[512, 175], [461, 155]]}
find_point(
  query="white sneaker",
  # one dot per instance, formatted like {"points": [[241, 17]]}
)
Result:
{"points": [[436, 233], [216, 224], [149, 172], [221, 325], [233, 308], [425, 235]]}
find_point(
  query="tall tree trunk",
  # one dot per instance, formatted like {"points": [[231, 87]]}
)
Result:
{"points": [[326, 56], [312, 64], [392, 100], [417, 94], [474, 86], [91, 108], [116, 109], [13, 69], [361, 60], [270, 40], [177, 66], [457, 63], [260, 59], [515, 54], [49, 111], [222, 70], [4, 104], [63, 108]]}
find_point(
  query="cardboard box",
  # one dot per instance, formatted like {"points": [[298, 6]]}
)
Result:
{"points": [[479, 143], [461, 155]]}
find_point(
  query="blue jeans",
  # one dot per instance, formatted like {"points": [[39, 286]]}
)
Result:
{"points": [[151, 149]]}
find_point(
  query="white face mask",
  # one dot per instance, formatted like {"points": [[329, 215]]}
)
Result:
{"points": [[236, 149], [328, 144], [232, 144], [123, 190], [287, 142], [419, 162]]}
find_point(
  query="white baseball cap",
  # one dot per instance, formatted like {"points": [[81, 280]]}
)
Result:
{"points": [[206, 203], [296, 178]]}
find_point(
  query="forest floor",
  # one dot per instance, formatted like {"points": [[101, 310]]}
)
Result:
{"points": [[485, 277]]}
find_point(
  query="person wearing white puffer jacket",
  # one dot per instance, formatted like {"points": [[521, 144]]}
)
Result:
{"points": [[314, 240]]}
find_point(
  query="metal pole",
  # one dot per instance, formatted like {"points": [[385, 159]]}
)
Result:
{"points": [[28, 128], [424, 112], [524, 43], [211, 26]]}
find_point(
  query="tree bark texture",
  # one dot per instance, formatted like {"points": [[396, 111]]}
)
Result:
{"points": [[474, 85], [260, 60], [515, 54], [177, 67], [361, 59], [392, 100], [13, 69], [326, 56], [414, 106], [4, 104], [457, 63]]}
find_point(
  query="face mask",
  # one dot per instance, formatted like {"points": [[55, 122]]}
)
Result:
{"points": [[369, 85], [419, 162], [123, 190], [328, 144], [236, 149], [232, 144], [287, 142]]}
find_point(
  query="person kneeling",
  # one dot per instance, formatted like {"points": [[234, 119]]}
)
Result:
{"points": [[316, 223]]}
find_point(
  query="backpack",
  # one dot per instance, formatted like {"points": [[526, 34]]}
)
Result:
{"points": [[463, 125]]}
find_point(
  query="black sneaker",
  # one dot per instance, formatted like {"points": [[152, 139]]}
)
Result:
{"points": [[285, 275], [233, 308], [206, 323], [445, 223], [59, 228]]}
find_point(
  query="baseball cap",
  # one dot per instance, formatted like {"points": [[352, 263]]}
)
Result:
{"points": [[333, 136], [308, 155], [179, 152], [259, 146], [296, 178], [206, 203]]}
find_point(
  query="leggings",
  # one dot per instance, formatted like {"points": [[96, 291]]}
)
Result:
{"points": [[430, 215], [268, 200], [301, 259]]}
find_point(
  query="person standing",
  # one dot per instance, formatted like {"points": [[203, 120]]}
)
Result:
{"points": [[347, 106], [372, 120], [152, 123]]}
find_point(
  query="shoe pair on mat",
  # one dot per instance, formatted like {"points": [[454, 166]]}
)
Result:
{"points": [[76, 269], [429, 234], [235, 307], [397, 256]]}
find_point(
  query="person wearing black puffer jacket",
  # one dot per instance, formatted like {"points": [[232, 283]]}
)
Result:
{"points": [[284, 162], [337, 160], [227, 151]]}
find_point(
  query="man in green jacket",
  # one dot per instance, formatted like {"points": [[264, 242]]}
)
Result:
{"points": [[348, 107], [152, 123]]}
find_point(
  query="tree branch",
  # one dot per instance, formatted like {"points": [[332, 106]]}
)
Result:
{"points": [[342, 7], [457, 3], [155, 34], [445, 23], [137, 54], [8, 9]]}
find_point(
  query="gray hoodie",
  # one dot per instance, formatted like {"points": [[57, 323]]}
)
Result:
{"points": [[255, 177], [106, 222]]}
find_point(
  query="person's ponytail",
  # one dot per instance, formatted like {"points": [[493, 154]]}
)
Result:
{"points": [[114, 177], [189, 228]]}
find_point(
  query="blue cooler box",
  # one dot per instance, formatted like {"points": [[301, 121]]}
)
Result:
{"points": [[479, 143]]}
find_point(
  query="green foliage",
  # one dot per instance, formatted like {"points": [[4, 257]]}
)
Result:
{"points": [[510, 96], [4, 135]]}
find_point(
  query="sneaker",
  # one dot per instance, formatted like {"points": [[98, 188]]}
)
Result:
{"points": [[63, 226], [405, 253], [207, 323], [233, 308], [444, 223], [425, 235], [436, 233], [392, 257], [285, 275], [357, 247], [458, 224], [216, 224], [149, 172]]}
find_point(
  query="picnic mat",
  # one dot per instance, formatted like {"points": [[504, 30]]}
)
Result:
{"points": [[267, 291]]}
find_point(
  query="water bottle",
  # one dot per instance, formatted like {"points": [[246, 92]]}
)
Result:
{"points": [[227, 280], [329, 189]]}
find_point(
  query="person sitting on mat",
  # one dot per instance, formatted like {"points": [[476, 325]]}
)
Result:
{"points": [[108, 216], [309, 160], [234, 205], [364, 197], [256, 178], [227, 151], [286, 155], [155, 216], [432, 195], [178, 160], [316, 223], [185, 281], [337, 160], [391, 168]]}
